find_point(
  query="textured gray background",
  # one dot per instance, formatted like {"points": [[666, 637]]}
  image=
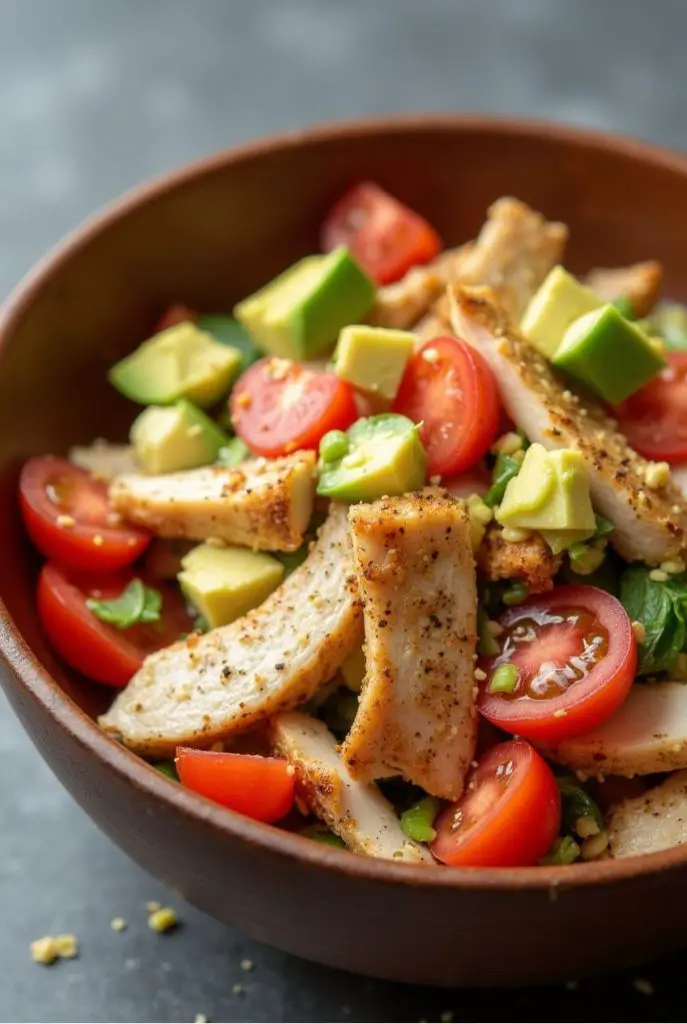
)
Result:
{"points": [[96, 95]]}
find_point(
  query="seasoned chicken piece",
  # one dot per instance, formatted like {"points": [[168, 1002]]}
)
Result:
{"points": [[647, 734], [416, 574], [103, 460], [649, 524], [656, 820], [356, 811], [264, 504], [210, 687], [401, 304], [640, 283], [529, 560]]}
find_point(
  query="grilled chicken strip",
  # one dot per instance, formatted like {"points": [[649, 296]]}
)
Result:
{"points": [[649, 524], [401, 304], [210, 687], [656, 820], [416, 575], [103, 460], [357, 812], [263, 504], [529, 560], [640, 283], [647, 734]]}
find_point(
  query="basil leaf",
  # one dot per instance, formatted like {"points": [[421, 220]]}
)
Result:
{"points": [[660, 607], [137, 603], [505, 468]]}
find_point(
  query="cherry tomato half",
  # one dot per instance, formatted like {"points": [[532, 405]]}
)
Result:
{"points": [[68, 517], [259, 787], [99, 651], [175, 314], [508, 816], [450, 389], [574, 655], [385, 236], [654, 419], [279, 406]]}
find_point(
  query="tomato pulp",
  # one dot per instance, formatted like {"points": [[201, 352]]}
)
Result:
{"points": [[573, 658], [508, 816]]}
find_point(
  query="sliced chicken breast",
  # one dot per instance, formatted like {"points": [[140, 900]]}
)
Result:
{"points": [[210, 687], [103, 460], [401, 304], [264, 504], [640, 283], [656, 820], [356, 811], [529, 560], [650, 525], [416, 574], [647, 734]]}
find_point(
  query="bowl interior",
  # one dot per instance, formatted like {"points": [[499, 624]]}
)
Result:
{"points": [[210, 235]]}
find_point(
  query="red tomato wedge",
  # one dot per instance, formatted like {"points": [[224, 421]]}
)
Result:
{"points": [[68, 517], [259, 787], [654, 419], [279, 406], [575, 656], [385, 236], [96, 649], [508, 816], [450, 389], [176, 314]]}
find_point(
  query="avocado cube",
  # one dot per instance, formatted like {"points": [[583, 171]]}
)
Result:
{"points": [[179, 436], [373, 358], [228, 331], [180, 362], [550, 493], [300, 313], [560, 300], [225, 583], [609, 354]]}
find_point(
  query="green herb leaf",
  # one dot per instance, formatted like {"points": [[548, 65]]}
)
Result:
{"points": [[418, 821], [505, 468], [321, 834], [603, 527], [564, 851], [515, 593], [233, 452], [577, 804], [136, 604], [488, 645], [660, 607], [167, 768], [201, 624]]}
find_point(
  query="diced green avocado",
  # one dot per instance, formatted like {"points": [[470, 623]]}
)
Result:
{"points": [[229, 331], [225, 583], [172, 437], [353, 670], [181, 362], [550, 493], [385, 456], [373, 358], [300, 313], [560, 300], [232, 452], [609, 354]]}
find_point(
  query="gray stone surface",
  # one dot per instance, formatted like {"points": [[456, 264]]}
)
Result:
{"points": [[96, 95]]}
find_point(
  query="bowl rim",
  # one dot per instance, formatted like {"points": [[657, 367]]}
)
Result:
{"points": [[29, 673]]}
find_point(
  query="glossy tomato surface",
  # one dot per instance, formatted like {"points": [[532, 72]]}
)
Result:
{"points": [[654, 419], [259, 787]]}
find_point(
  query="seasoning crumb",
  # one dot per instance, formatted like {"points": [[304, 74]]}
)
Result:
{"points": [[200, 1018], [64, 521], [561, 713], [237, 989], [152, 906], [480, 675], [435, 480], [657, 475], [53, 947], [98, 540], [247, 965], [163, 920], [118, 924], [644, 986], [658, 576], [639, 630]]}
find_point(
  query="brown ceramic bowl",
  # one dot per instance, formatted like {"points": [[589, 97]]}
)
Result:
{"points": [[207, 236]]}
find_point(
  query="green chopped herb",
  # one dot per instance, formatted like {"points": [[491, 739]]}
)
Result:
{"points": [[418, 821], [321, 834], [505, 678], [201, 624], [137, 603], [604, 527], [516, 593], [624, 307], [576, 804], [333, 446], [661, 607], [584, 560], [564, 851], [505, 469], [488, 644], [233, 452], [167, 768]]}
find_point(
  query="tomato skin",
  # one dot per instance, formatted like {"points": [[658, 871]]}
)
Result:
{"points": [[280, 406], [99, 651], [91, 543], [262, 788], [586, 703], [517, 813], [385, 236], [177, 313], [654, 419], [454, 395]]}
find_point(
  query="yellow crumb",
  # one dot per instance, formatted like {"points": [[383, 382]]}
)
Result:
{"points": [[117, 924], [44, 951], [657, 475], [65, 521], [639, 630], [247, 965], [152, 906], [201, 1019], [163, 920], [67, 946], [98, 540]]}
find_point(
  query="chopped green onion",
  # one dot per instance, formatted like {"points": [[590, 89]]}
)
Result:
{"points": [[603, 527], [321, 834], [233, 452], [505, 678], [624, 307], [584, 560], [515, 594], [564, 851], [418, 821], [488, 645], [577, 804], [333, 446], [167, 768], [505, 469], [136, 603]]}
